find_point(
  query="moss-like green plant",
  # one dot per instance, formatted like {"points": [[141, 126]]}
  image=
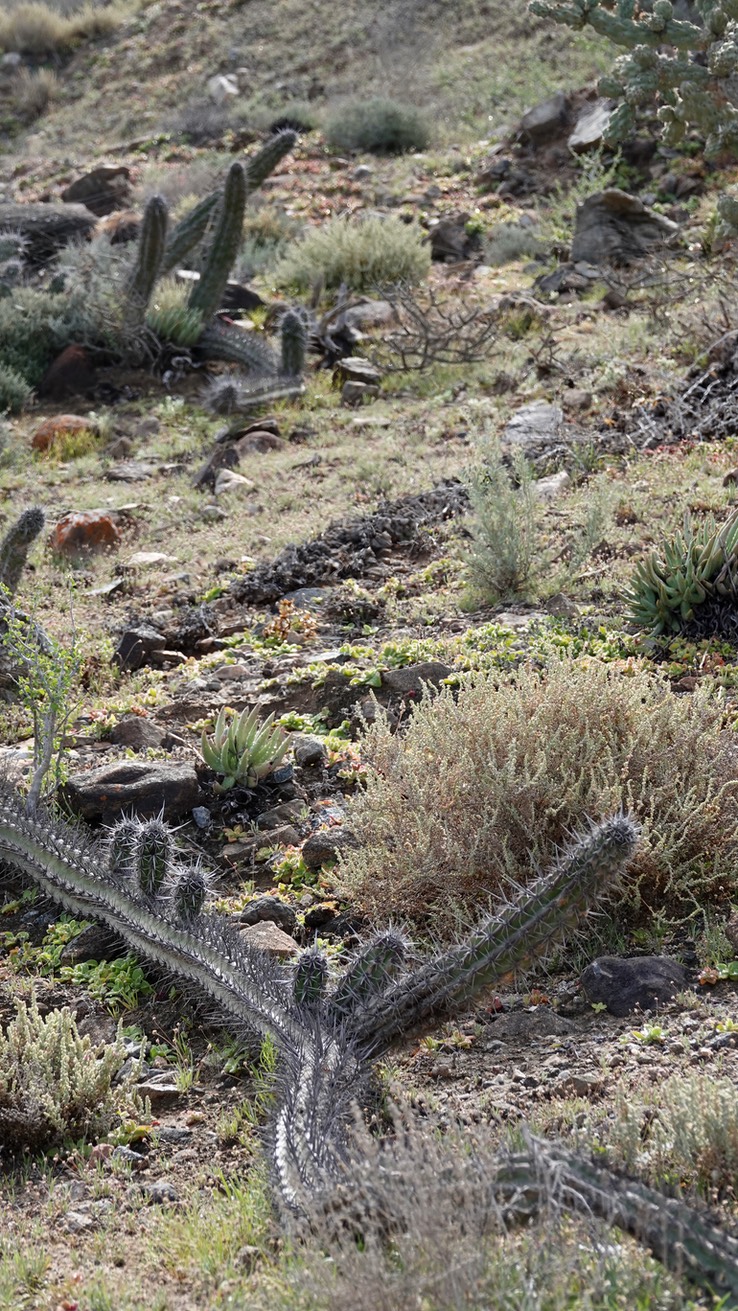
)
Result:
{"points": [[243, 749]]}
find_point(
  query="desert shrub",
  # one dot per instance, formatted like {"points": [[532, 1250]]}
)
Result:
{"points": [[29, 332], [508, 242], [34, 91], [48, 27], [201, 121], [379, 126], [53, 1083], [686, 1130], [504, 526], [267, 234], [299, 115], [15, 392], [170, 317], [484, 786], [363, 253]]}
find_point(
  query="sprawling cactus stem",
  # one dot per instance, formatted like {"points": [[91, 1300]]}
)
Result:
{"points": [[151, 243], [14, 549], [189, 231], [152, 856], [524, 930], [294, 339], [223, 340], [311, 977], [371, 971], [207, 293], [264, 162]]}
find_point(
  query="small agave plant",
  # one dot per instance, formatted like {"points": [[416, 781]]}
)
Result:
{"points": [[244, 749], [697, 574]]}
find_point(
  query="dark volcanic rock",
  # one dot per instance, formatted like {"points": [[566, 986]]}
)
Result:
{"points": [[627, 984], [325, 845], [612, 227], [271, 909], [132, 786]]}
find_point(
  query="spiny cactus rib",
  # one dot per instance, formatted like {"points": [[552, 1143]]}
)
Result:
{"points": [[264, 162], [521, 932], [14, 549], [151, 244], [222, 340], [370, 973], [293, 339], [207, 293], [152, 855], [311, 977], [189, 890], [121, 845]]}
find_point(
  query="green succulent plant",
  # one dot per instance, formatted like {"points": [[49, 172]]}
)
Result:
{"points": [[243, 749], [699, 567]]}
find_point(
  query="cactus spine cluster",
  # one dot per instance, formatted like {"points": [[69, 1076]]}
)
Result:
{"points": [[133, 883], [661, 64], [14, 549]]}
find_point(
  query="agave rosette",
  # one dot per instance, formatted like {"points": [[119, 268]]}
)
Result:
{"points": [[243, 748], [698, 564]]}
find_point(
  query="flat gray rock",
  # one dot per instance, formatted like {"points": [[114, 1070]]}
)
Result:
{"points": [[142, 788], [535, 427], [626, 984], [612, 227]]}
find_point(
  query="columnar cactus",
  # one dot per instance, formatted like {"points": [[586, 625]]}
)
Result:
{"points": [[149, 257], [293, 331], [14, 549], [207, 293]]}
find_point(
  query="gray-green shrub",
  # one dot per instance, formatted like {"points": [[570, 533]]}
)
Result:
{"points": [[15, 392], [363, 253], [379, 126], [485, 784], [504, 526]]}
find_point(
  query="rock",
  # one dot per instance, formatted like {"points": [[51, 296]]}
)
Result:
{"points": [[362, 172], [83, 532], [136, 732], [269, 909], [355, 393], [222, 88], [547, 489], [72, 373], [54, 430], [578, 1085], [626, 984], [369, 314], [591, 127], [289, 812], [139, 787], [411, 680], [131, 471], [78, 1222], [160, 1192], [450, 242], [324, 846], [354, 369], [201, 816], [308, 750], [612, 227], [546, 120], [535, 427], [106, 188], [260, 443], [45, 227], [148, 560], [577, 399], [227, 481], [137, 645], [93, 943], [267, 937], [249, 847]]}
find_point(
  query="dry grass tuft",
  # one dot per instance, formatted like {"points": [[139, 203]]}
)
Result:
{"points": [[44, 28], [483, 788]]}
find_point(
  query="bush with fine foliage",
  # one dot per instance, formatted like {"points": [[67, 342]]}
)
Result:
{"points": [[48, 27], [362, 253], [379, 126], [484, 786], [15, 392], [53, 1083]]}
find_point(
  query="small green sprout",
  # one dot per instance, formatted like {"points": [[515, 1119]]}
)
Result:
{"points": [[244, 750]]}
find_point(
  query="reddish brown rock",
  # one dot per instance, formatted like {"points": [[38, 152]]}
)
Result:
{"points": [[59, 426], [85, 531], [71, 374], [104, 189]]}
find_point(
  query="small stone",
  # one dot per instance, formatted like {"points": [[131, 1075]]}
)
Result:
{"points": [[222, 88], [547, 489], [323, 847], [77, 1223], [159, 1192], [411, 680], [578, 1085], [228, 481], [289, 812], [137, 645], [103, 190], [545, 120], [136, 732], [201, 816], [260, 443], [231, 673], [267, 937], [85, 532], [54, 430], [148, 560], [72, 373], [355, 393], [591, 127], [627, 984], [362, 172], [248, 848], [161, 1095], [269, 909], [308, 750]]}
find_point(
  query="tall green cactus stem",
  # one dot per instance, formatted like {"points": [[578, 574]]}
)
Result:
{"points": [[661, 65], [14, 549], [264, 162], [207, 294], [311, 977], [371, 971], [149, 256], [152, 856], [293, 331], [525, 930]]}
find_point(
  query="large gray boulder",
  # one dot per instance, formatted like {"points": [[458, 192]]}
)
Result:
{"points": [[612, 227]]}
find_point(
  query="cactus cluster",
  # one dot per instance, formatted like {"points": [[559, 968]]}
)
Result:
{"points": [[243, 748], [326, 1037], [15, 546], [693, 582]]}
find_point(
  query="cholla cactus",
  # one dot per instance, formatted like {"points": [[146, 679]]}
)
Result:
{"points": [[245, 749], [661, 65]]}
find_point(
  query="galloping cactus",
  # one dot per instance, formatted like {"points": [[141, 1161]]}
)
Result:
{"points": [[207, 293], [151, 243], [14, 549]]}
